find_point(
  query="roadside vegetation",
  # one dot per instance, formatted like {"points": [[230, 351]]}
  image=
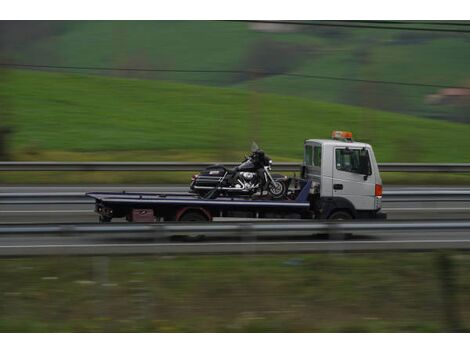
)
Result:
{"points": [[273, 293], [78, 113]]}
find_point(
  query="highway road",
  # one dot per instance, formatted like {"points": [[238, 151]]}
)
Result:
{"points": [[102, 244], [28, 245], [83, 213]]}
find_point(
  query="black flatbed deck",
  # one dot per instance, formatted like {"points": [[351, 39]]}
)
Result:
{"points": [[119, 204]]}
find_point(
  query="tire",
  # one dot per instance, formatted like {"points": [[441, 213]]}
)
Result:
{"points": [[193, 216], [340, 215], [104, 219], [278, 189]]}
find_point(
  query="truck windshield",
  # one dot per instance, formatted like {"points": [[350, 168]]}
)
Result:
{"points": [[353, 160]]}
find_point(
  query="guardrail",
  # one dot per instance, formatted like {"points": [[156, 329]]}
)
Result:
{"points": [[136, 239], [195, 166], [222, 228]]}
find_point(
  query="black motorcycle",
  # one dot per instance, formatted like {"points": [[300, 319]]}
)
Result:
{"points": [[253, 175]]}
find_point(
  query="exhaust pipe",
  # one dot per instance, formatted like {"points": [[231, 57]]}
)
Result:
{"points": [[221, 188]]}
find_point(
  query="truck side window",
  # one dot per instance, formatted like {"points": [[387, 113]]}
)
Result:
{"points": [[308, 155], [317, 156], [353, 160]]}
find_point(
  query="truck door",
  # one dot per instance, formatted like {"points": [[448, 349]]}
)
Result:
{"points": [[349, 179]]}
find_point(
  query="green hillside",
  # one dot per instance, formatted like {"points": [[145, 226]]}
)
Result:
{"points": [[70, 112], [433, 58]]}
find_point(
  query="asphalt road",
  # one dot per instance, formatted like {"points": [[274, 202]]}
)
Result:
{"points": [[20, 245], [83, 213]]}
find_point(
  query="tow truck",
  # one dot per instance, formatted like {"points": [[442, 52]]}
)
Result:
{"points": [[339, 180]]}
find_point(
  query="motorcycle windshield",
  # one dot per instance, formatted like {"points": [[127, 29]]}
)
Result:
{"points": [[254, 147]]}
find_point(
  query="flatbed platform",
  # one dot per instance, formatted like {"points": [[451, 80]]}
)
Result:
{"points": [[173, 206]]}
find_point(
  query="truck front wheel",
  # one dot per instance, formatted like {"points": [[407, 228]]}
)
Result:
{"points": [[340, 215]]}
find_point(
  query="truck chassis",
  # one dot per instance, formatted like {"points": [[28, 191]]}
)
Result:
{"points": [[151, 207]]}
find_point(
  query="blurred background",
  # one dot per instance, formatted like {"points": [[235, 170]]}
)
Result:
{"points": [[202, 91]]}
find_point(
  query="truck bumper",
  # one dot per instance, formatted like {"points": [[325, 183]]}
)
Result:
{"points": [[380, 215], [370, 214]]}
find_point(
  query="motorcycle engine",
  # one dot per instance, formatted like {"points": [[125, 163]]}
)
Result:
{"points": [[248, 176]]}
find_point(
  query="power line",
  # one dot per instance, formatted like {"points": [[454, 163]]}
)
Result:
{"points": [[350, 25], [250, 72], [359, 80], [457, 24]]}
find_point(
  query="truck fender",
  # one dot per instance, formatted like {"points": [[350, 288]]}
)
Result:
{"points": [[203, 211], [327, 206]]}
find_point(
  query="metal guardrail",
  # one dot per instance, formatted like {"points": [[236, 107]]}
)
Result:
{"points": [[255, 228], [425, 167], [195, 166], [127, 239], [169, 229]]}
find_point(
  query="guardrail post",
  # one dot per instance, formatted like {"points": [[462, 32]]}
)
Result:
{"points": [[247, 234], [100, 272], [447, 278]]}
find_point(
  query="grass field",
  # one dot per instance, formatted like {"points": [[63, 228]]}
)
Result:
{"points": [[436, 58], [72, 117], [276, 293], [77, 113]]}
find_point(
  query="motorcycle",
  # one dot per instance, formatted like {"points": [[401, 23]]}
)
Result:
{"points": [[251, 176]]}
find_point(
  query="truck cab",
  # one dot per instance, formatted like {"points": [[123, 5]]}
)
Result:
{"points": [[346, 182]]}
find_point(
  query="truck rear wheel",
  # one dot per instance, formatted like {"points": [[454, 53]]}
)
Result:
{"points": [[194, 216], [104, 219]]}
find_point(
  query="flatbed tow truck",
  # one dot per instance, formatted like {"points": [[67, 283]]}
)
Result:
{"points": [[339, 180]]}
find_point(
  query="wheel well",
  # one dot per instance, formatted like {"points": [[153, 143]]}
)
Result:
{"points": [[327, 206], [187, 210], [345, 210]]}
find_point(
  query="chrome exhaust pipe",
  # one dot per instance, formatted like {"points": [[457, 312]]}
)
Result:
{"points": [[221, 188]]}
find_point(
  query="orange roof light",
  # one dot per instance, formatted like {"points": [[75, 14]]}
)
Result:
{"points": [[342, 135]]}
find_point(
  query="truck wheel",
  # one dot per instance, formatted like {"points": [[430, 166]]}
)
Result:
{"points": [[340, 215], [193, 216], [104, 219]]}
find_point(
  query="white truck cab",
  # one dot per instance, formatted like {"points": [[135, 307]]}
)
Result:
{"points": [[346, 182]]}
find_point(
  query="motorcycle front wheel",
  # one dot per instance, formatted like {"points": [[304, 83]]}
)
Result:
{"points": [[278, 189]]}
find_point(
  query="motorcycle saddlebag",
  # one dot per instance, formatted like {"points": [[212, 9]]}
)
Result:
{"points": [[211, 176], [214, 171]]}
